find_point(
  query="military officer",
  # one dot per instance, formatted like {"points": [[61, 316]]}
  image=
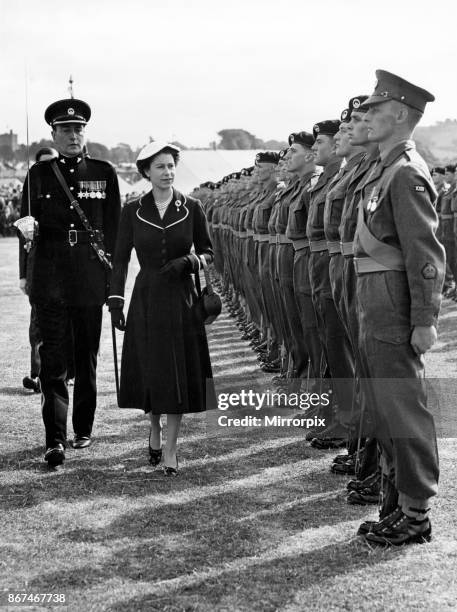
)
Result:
{"points": [[69, 282], [400, 272]]}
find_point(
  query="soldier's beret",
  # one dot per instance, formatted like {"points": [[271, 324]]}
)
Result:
{"points": [[70, 110], [247, 171], [439, 170], [389, 86], [235, 175], [450, 168], [329, 127], [354, 104], [267, 157], [303, 138]]}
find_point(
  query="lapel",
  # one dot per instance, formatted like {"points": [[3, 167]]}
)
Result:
{"points": [[176, 212]]}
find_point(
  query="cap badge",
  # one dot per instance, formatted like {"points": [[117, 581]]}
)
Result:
{"points": [[71, 111], [344, 114], [356, 103], [316, 128], [384, 94], [291, 138]]}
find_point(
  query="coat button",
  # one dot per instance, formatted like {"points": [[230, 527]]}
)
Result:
{"points": [[72, 225], [71, 207], [163, 251], [71, 188], [48, 195], [72, 169]]}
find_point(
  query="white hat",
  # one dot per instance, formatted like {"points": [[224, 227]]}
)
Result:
{"points": [[153, 148]]}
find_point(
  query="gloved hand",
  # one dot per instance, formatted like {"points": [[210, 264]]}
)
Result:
{"points": [[117, 318], [176, 267], [116, 308]]}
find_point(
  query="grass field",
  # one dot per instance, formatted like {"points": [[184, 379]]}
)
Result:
{"points": [[254, 521]]}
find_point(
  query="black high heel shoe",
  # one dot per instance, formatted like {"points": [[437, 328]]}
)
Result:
{"points": [[171, 471], [155, 456]]}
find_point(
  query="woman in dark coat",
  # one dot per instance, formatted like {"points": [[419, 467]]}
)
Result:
{"points": [[165, 357]]}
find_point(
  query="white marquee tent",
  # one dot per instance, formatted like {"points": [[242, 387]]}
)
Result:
{"points": [[196, 167]]}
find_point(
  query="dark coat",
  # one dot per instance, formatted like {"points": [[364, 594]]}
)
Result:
{"points": [[165, 357], [64, 273]]}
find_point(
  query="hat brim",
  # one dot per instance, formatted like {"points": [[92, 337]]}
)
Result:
{"points": [[373, 100], [69, 121]]}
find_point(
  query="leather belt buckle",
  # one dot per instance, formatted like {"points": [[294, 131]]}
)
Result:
{"points": [[72, 237]]}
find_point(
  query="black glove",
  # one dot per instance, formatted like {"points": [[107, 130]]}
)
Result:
{"points": [[115, 306], [117, 318], [175, 268]]}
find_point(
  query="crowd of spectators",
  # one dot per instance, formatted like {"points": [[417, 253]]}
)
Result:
{"points": [[10, 207]]}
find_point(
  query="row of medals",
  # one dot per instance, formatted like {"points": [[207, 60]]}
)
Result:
{"points": [[92, 189]]}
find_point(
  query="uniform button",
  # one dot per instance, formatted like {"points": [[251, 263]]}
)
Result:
{"points": [[72, 169], [163, 251], [48, 195], [71, 188], [71, 207], [164, 241], [72, 225]]}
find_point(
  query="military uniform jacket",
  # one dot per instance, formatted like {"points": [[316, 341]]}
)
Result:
{"points": [[315, 221], [298, 212], [334, 200], [64, 273], [398, 208]]}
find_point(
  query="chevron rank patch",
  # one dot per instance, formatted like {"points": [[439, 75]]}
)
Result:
{"points": [[429, 271], [419, 188]]}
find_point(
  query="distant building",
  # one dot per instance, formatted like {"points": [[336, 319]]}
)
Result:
{"points": [[9, 139]]}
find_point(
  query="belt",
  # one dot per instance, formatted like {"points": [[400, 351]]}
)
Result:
{"points": [[301, 243], [347, 248], [243, 235], [263, 237], [333, 247], [250, 232], [446, 217], [365, 265], [72, 236], [272, 239], [282, 239], [318, 245]]}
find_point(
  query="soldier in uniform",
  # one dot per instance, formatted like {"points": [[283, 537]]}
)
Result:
{"points": [[400, 272], [69, 282], [335, 344]]}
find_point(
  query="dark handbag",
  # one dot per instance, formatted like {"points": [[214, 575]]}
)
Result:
{"points": [[95, 240], [208, 305]]}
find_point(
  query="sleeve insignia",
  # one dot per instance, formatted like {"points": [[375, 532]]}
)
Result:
{"points": [[419, 188], [429, 271]]}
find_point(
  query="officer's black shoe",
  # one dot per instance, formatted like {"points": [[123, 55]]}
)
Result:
{"points": [[55, 455], [81, 442], [403, 530], [31, 383]]}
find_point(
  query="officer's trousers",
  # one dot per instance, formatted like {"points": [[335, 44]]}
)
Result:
{"points": [[54, 319], [404, 425]]}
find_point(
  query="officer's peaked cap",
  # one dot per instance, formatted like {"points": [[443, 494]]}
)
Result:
{"points": [[392, 87], [70, 110]]}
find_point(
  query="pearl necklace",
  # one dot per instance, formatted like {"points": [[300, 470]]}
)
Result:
{"points": [[162, 206]]}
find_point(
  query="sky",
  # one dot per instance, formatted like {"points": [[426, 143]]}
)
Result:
{"points": [[185, 69]]}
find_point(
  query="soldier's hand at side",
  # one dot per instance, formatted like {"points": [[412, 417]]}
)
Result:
{"points": [[23, 285], [423, 338]]}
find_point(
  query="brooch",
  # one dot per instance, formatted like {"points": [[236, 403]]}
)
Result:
{"points": [[178, 204]]}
